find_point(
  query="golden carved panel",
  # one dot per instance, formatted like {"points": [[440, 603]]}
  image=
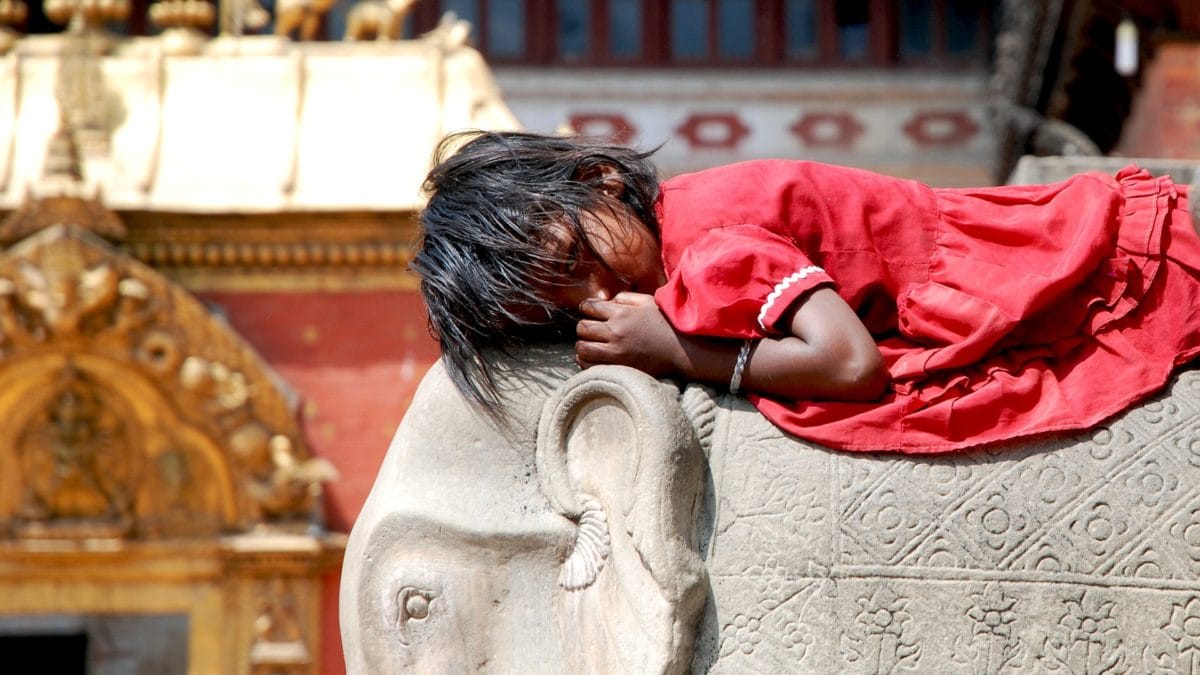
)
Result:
{"points": [[152, 462], [130, 410]]}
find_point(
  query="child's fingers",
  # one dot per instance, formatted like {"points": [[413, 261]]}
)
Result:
{"points": [[591, 353], [597, 309], [604, 309], [596, 331], [632, 298]]}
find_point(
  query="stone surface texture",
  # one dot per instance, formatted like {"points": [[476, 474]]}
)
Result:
{"points": [[711, 542]]}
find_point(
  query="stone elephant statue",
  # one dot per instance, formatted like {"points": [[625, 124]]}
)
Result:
{"points": [[615, 523]]}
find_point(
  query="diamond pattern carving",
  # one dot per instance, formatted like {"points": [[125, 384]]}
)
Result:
{"points": [[1044, 556]]}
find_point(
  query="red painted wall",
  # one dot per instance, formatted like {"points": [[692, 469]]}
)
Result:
{"points": [[355, 358], [1165, 120]]}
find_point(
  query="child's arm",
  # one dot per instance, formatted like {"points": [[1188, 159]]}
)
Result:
{"points": [[828, 354]]}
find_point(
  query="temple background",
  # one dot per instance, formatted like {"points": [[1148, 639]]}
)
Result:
{"points": [[276, 178]]}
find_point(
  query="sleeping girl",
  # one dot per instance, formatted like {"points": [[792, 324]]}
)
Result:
{"points": [[853, 309]]}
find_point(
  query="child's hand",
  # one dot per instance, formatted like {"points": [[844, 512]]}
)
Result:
{"points": [[827, 353], [628, 330]]}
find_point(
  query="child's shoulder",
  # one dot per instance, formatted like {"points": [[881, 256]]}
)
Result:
{"points": [[798, 179], [755, 191], [764, 172], [751, 167]]}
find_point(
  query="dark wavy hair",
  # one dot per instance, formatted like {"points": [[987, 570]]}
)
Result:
{"points": [[495, 199]]}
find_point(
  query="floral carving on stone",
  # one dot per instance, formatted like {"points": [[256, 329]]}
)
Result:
{"points": [[997, 523], [1107, 440], [1099, 528], [1054, 480], [994, 644], [1153, 485], [797, 637], [1087, 638], [1184, 630], [1191, 443], [1187, 530], [1158, 414], [742, 634], [880, 639], [886, 526]]}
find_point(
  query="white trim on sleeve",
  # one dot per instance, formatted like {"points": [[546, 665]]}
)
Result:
{"points": [[780, 288]]}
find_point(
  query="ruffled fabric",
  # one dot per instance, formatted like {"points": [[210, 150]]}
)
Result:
{"points": [[1035, 309], [747, 278]]}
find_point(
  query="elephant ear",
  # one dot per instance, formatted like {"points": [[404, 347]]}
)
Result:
{"points": [[616, 454]]}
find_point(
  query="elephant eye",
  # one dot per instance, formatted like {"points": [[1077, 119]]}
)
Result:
{"points": [[413, 603]]}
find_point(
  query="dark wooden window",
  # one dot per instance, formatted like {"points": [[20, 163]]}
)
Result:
{"points": [[684, 33], [942, 29], [628, 42], [687, 32], [724, 32]]}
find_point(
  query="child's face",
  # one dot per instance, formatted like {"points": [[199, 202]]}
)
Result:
{"points": [[627, 258]]}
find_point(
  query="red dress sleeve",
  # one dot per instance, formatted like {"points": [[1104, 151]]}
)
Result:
{"points": [[737, 281]]}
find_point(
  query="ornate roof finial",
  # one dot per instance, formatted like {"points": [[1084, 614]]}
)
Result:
{"points": [[86, 15], [62, 172], [238, 15], [185, 24], [61, 196]]}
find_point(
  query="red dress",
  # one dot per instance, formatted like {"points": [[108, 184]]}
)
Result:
{"points": [[1001, 312]]}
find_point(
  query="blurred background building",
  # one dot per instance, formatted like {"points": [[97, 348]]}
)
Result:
{"points": [[207, 333]]}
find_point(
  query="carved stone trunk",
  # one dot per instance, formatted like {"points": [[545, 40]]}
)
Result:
{"points": [[619, 524]]}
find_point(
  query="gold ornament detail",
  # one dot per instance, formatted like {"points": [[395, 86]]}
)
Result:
{"points": [[269, 255], [300, 18], [238, 15], [377, 19], [35, 215], [278, 645], [130, 411], [79, 465], [90, 13], [185, 24], [194, 14]]}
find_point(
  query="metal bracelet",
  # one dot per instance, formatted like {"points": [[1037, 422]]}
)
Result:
{"points": [[735, 382]]}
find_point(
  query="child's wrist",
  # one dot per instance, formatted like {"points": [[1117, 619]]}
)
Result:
{"points": [[739, 367]]}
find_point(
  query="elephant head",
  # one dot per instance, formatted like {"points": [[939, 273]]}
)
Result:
{"points": [[572, 548]]}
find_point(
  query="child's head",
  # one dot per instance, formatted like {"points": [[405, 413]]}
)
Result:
{"points": [[507, 214]]}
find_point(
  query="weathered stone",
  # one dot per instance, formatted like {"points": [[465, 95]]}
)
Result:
{"points": [[734, 548]]}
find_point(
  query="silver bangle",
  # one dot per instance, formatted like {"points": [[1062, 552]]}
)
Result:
{"points": [[735, 382]]}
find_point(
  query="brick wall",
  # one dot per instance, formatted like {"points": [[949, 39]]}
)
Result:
{"points": [[355, 359], [1165, 121]]}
